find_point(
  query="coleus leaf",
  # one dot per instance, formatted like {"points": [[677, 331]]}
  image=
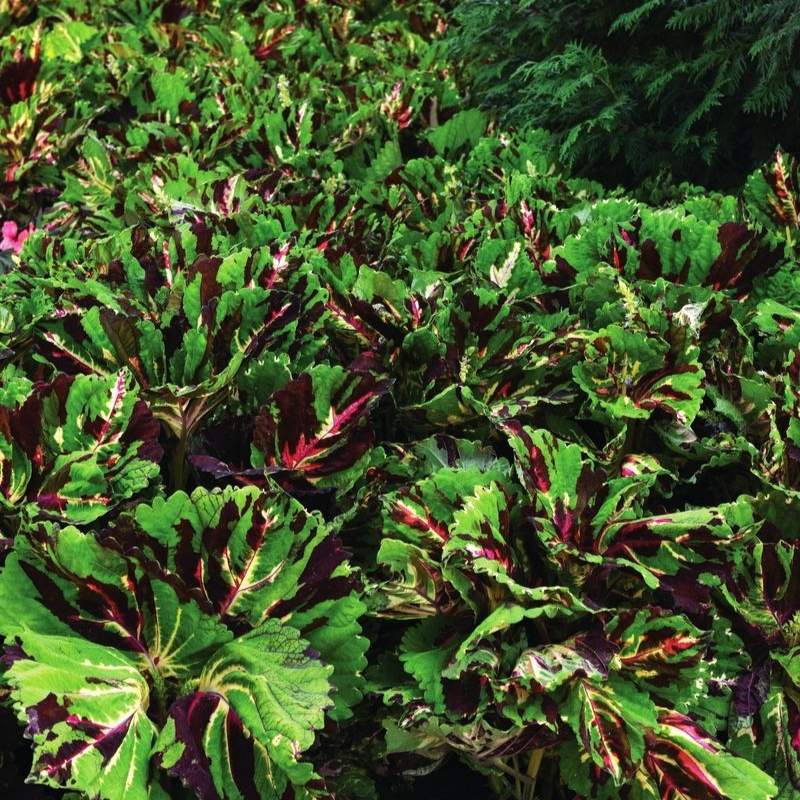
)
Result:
{"points": [[416, 587], [561, 480], [763, 589], [248, 554], [543, 676], [672, 660], [541, 602], [766, 738], [745, 256], [508, 267], [87, 622], [242, 552], [481, 544], [454, 662], [77, 447], [659, 654], [663, 544], [475, 557], [484, 560], [763, 593], [316, 429], [85, 706], [725, 256], [582, 510], [465, 126], [254, 707], [683, 762], [496, 361], [609, 719], [424, 511], [72, 585], [425, 651], [772, 194], [629, 375], [419, 517], [188, 340], [548, 667], [333, 629], [678, 760], [676, 245], [166, 660], [659, 650], [684, 248]]}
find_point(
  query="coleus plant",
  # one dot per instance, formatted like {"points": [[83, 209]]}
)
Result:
{"points": [[613, 698], [343, 435], [75, 447], [186, 328], [187, 621]]}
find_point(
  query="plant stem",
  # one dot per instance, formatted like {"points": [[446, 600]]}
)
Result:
{"points": [[159, 693], [517, 784], [178, 464]]}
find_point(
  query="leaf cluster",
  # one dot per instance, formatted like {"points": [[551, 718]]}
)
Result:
{"points": [[343, 434]]}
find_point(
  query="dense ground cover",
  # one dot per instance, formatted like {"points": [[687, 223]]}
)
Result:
{"points": [[343, 435]]}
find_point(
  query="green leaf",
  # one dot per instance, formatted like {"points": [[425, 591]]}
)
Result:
{"points": [[86, 709], [66, 40], [610, 720], [170, 89], [425, 652], [332, 629], [462, 128], [249, 716]]}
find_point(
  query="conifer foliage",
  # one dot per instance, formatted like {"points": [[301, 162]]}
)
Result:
{"points": [[703, 89]]}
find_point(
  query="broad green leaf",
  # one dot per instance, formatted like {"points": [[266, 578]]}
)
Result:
{"points": [[250, 714], [66, 40], [86, 709], [462, 128]]}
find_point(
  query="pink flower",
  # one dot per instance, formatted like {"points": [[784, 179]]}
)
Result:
{"points": [[13, 237]]}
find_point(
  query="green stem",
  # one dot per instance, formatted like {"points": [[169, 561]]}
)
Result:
{"points": [[159, 692], [517, 782]]}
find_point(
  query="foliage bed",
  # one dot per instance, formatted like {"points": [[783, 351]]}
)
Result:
{"points": [[343, 434]]}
